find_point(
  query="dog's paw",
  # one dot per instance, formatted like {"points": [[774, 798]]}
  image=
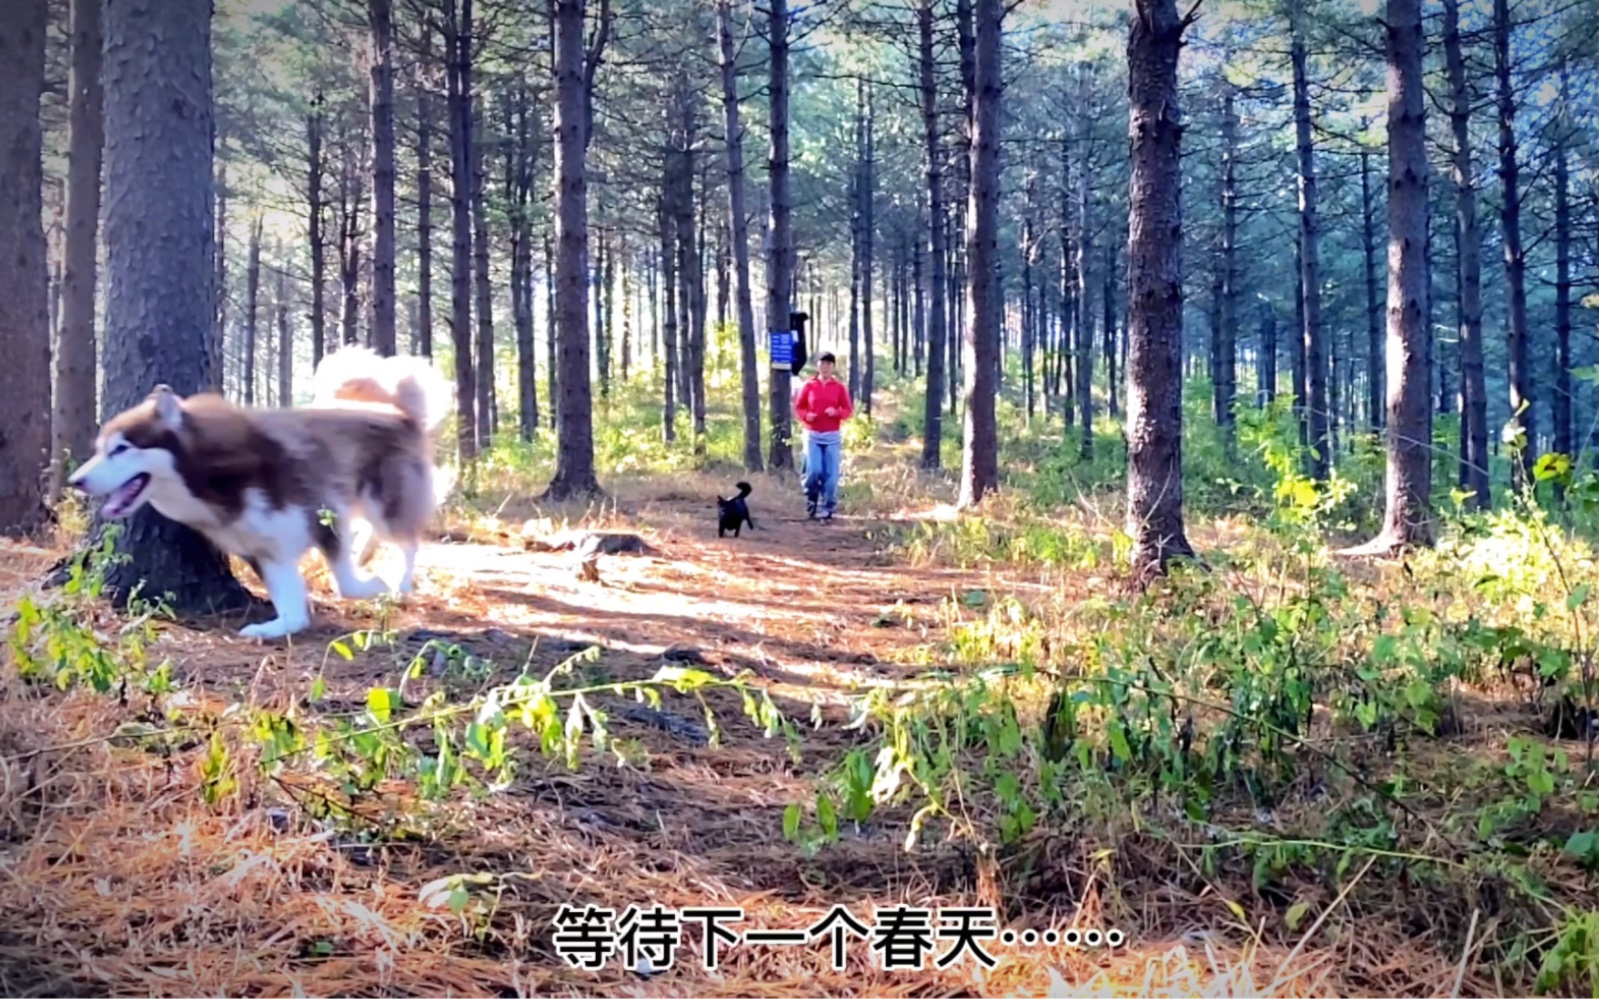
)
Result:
{"points": [[363, 589], [276, 628]]}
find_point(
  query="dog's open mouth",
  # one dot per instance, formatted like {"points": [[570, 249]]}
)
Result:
{"points": [[123, 498]]}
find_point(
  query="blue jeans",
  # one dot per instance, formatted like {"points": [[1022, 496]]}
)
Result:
{"points": [[822, 455]]}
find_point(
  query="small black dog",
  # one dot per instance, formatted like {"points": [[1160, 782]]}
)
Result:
{"points": [[733, 514]]}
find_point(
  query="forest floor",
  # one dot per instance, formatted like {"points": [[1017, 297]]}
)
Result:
{"points": [[118, 875]]}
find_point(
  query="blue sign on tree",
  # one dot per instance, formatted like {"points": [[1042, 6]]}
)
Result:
{"points": [[781, 348]]}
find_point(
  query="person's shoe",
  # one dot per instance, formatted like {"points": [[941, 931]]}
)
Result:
{"points": [[827, 515], [810, 510]]}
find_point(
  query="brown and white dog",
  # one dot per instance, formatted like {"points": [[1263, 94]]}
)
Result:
{"points": [[269, 484]]}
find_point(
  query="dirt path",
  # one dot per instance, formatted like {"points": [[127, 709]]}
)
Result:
{"points": [[247, 897]]}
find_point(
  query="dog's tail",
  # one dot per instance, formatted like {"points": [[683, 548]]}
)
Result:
{"points": [[744, 489], [410, 384]]}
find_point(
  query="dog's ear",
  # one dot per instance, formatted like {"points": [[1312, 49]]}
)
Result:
{"points": [[168, 407]]}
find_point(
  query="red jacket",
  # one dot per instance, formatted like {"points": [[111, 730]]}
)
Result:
{"points": [[815, 399]]}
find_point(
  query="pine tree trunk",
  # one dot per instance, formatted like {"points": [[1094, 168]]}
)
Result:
{"points": [[1409, 478], [252, 301], [1473, 387], [780, 257], [1029, 252], [1561, 400], [1296, 345], [1315, 358], [159, 218], [574, 465], [74, 420], [316, 209], [739, 222], [1113, 403], [669, 290], [1521, 412], [918, 309], [458, 43], [937, 279], [24, 281], [856, 237], [285, 341], [1155, 292], [1226, 374], [1085, 323], [216, 360], [1268, 352], [487, 404], [980, 450], [424, 202], [552, 365], [350, 199], [868, 251], [527, 383], [1375, 406], [1068, 288], [380, 20]]}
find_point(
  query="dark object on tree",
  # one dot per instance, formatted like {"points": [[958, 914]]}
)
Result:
{"points": [[796, 322], [733, 514]]}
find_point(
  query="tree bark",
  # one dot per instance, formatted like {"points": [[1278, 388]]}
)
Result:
{"points": [[522, 157], [380, 21], [1316, 406], [856, 236], [1563, 442], [937, 281], [483, 379], [980, 450], [316, 208], [285, 341], [780, 257], [458, 44], [351, 185], [1155, 292], [1085, 254], [1407, 520], [1521, 413], [24, 271], [1375, 393], [216, 365], [868, 251], [159, 239], [552, 338], [1474, 476], [669, 288], [1113, 381], [1226, 373], [252, 302], [424, 203], [739, 223], [72, 425], [574, 457]]}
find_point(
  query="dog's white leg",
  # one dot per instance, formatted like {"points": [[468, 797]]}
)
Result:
{"points": [[363, 540], [351, 584], [287, 589], [407, 580]]}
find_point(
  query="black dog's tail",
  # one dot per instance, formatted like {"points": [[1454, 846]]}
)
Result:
{"points": [[744, 489]]}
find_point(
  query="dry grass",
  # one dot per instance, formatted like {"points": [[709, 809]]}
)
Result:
{"points": [[117, 879]]}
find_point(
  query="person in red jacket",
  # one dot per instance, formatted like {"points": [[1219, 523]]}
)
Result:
{"points": [[822, 407]]}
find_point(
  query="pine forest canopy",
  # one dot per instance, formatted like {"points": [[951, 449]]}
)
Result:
{"points": [[386, 172]]}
